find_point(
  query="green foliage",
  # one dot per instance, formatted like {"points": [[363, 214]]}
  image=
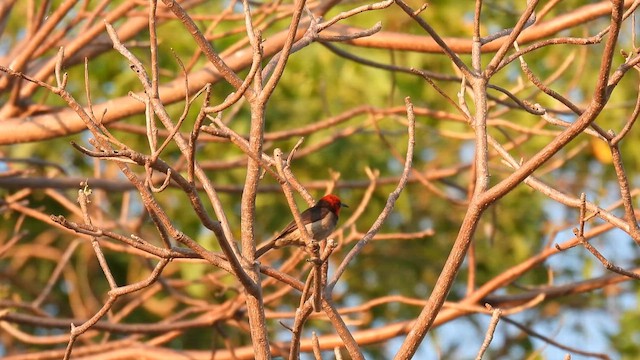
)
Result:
{"points": [[627, 337]]}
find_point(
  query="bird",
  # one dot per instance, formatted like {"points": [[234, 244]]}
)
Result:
{"points": [[320, 220]]}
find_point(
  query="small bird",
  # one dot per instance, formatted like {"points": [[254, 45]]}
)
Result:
{"points": [[320, 220]]}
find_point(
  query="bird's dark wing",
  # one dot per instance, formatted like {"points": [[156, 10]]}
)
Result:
{"points": [[308, 216], [312, 214]]}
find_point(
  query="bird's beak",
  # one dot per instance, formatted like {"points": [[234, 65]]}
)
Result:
{"points": [[344, 205]]}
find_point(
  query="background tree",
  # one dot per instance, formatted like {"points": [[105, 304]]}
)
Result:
{"points": [[486, 154]]}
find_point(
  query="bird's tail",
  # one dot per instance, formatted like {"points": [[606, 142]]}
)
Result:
{"points": [[262, 249]]}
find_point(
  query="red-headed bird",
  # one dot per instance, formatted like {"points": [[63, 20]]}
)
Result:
{"points": [[320, 220]]}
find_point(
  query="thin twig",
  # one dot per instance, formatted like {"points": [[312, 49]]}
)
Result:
{"points": [[495, 317]]}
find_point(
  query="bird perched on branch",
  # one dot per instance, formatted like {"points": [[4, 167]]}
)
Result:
{"points": [[320, 220]]}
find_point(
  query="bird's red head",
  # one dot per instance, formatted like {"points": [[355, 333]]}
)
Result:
{"points": [[332, 202]]}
